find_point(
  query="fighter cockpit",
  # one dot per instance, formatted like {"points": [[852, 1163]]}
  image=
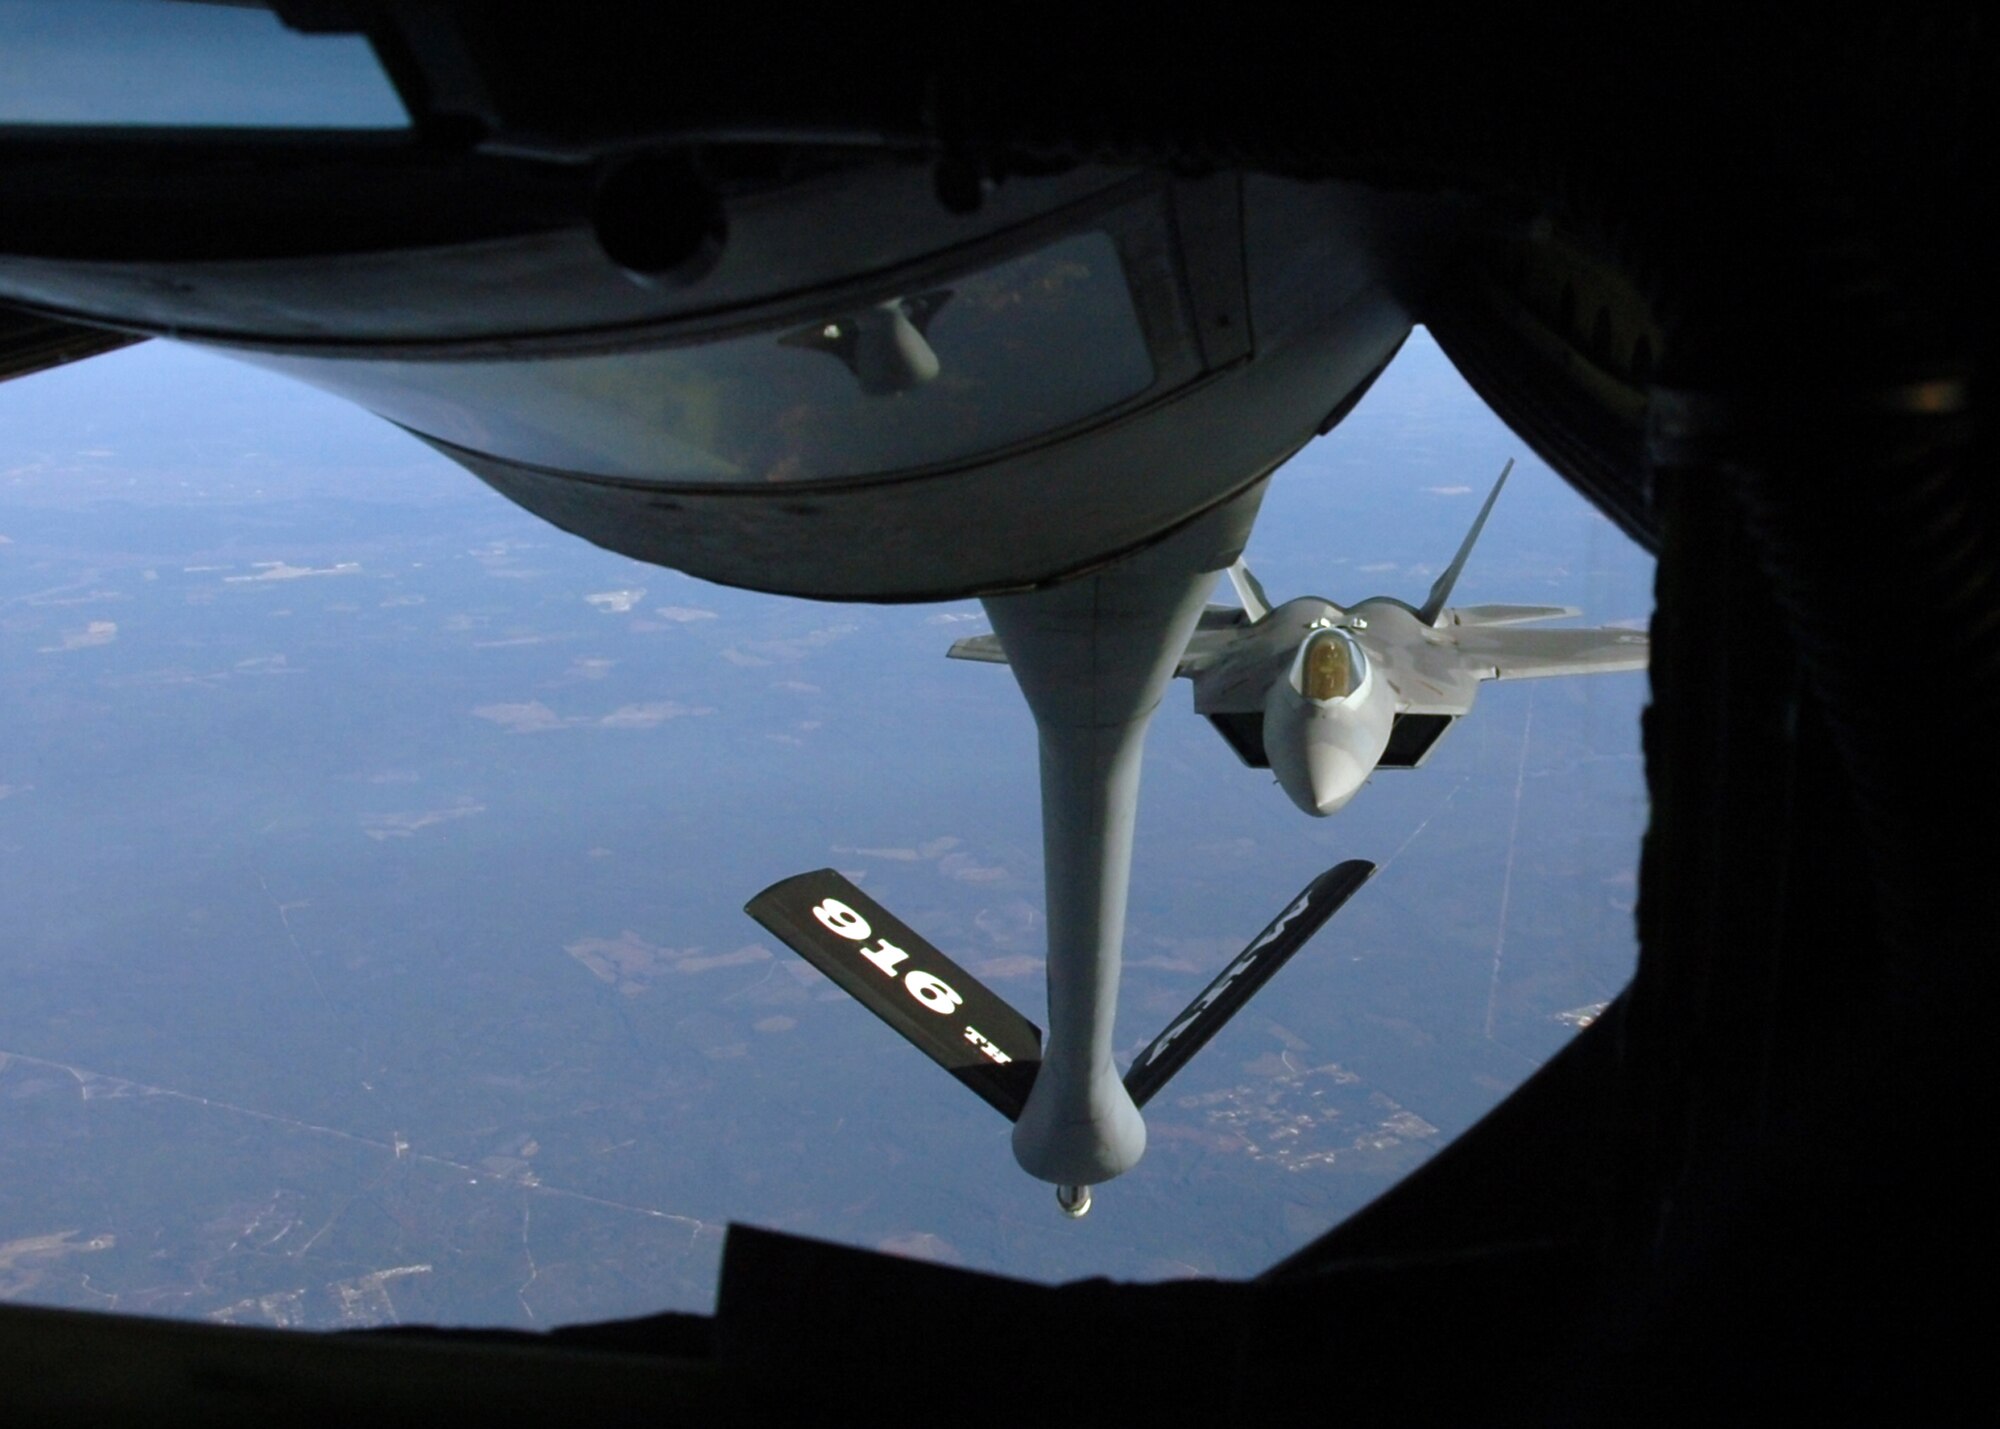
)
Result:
{"points": [[1330, 665]]}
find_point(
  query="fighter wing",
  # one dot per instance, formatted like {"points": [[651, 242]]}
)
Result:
{"points": [[1506, 614], [1217, 630], [1213, 633], [1502, 653]]}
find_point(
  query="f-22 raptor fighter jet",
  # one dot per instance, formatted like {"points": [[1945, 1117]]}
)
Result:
{"points": [[1320, 694], [1323, 696]]}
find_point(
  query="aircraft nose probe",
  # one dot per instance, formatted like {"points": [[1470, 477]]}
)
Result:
{"points": [[1074, 1201]]}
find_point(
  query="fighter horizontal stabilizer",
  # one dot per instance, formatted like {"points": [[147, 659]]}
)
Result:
{"points": [[1222, 999], [1249, 590], [875, 957]]}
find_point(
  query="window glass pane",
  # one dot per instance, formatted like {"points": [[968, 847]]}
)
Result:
{"points": [[149, 62], [961, 368]]}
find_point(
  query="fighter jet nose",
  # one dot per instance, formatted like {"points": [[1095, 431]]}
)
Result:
{"points": [[1322, 749], [1331, 800], [1333, 777]]}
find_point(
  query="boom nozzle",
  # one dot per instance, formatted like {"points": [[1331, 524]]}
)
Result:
{"points": [[1074, 1201]]}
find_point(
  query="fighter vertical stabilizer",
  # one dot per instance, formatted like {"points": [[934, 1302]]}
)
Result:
{"points": [[1433, 604], [1249, 590]]}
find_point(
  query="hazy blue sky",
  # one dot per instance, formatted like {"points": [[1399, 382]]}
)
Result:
{"points": [[374, 858], [149, 62]]}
